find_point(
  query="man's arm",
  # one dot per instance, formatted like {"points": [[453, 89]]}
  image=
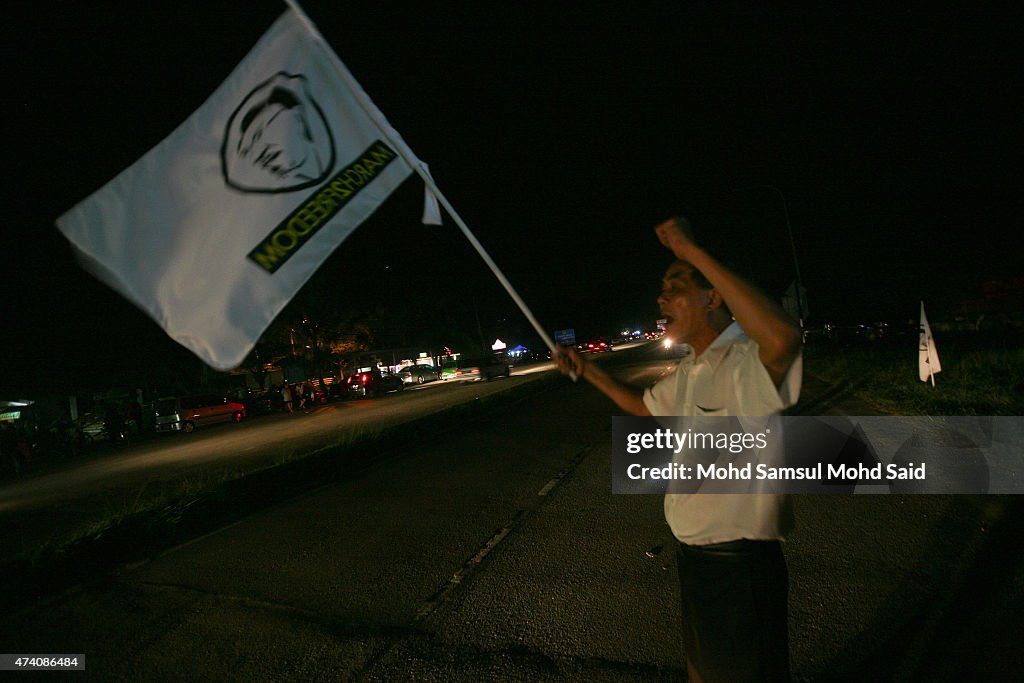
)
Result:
{"points": [[629, 399], [761, 318]]}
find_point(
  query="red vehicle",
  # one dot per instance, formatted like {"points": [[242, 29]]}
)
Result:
{"points": [[596, 346], [185, 413]]}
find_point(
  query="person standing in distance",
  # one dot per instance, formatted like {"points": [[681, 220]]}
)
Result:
{"points": [[745, 361]]}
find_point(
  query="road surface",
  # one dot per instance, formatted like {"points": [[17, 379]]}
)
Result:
{"points": [[500, 554]]}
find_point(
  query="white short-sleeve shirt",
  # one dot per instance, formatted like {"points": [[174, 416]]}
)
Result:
{"points": [[728, 379]]}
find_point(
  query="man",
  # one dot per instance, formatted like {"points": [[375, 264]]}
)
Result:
{"points": [[287, 397], [732, 572]]}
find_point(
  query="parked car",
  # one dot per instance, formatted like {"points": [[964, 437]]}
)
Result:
{"points": [[372, 382], [186, 413], [475, 368], [90, 426], [337, 390], [418, 374]]}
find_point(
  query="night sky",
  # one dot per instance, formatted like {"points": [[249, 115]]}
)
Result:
{"points": [[561, 134]]}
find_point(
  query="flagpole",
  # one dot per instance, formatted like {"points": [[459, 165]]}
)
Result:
{"points": [[792, 245], [931, 366], [926, 348], [410, 159]]}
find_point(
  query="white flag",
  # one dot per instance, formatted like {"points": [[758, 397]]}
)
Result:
{"points": [[927, 355], [431, 209], [215, 229]]}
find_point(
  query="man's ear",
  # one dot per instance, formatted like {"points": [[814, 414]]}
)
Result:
{"points": [[714, 299]]}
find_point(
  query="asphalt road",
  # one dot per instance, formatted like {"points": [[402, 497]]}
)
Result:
{"points": [[500, 554], [53, 502]]}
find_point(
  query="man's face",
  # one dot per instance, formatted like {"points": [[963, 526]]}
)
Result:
{"points": [[683, 304]]}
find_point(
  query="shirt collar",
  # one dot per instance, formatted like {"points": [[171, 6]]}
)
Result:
{"points": [[714, 354]]}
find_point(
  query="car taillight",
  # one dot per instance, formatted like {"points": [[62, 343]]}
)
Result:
{"points": [[475, 371]]}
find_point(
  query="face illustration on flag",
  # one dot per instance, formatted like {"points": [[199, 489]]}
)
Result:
{"points": [[278, 140], [216, 228]]}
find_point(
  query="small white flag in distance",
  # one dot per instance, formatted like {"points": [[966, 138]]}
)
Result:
{"points": [[927, 355], [216, 228]]}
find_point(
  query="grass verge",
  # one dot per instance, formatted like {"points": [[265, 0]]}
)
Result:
{"points": [[981, 375]]}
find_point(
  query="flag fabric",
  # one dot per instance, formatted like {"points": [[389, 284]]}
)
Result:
{"points": [[431, 209], [927, 355], [216, 228]]}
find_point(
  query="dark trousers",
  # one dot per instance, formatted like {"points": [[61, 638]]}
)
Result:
{"points": [[734, 598]]}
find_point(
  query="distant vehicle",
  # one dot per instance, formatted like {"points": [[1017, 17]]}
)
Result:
{"points": [[91, 427], [418, 374], [372, 382], [596, 346], [475, 368], [186, 413], [261, 402], [318, 397], [337, 390]]}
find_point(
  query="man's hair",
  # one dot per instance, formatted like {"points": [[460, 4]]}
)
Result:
{"points": [[698, 279]]}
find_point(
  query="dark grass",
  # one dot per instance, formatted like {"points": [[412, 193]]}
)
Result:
{"points": [[981, 374]]}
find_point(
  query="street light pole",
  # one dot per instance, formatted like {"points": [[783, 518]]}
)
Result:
{"points": [[792, 245]]}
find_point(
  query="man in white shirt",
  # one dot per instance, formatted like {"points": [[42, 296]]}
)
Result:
{"points": [[732, 572]]}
